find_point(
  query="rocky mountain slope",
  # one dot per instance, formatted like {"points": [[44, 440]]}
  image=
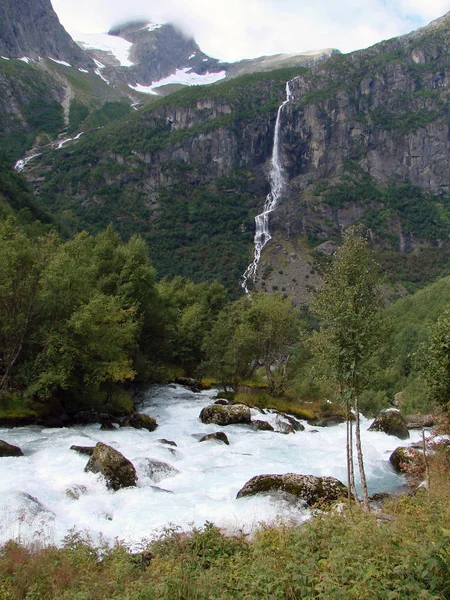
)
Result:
{"points": [[364, 139]]}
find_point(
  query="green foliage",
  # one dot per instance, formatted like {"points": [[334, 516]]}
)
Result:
{"points": [[435, 361], [77, 114]]}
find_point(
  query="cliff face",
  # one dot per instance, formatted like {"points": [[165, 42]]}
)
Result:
{"points": [[364, 140], [31, 28]]}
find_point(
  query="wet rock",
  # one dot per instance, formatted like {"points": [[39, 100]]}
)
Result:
{"points": [[88, 450], [392, 422], [283, 427], [76, 491], [116, 469], [161, 490], [262, 425], [193, 384], [296, 425], [158, 470], [328, 421], [219, 436], [88, 417], [226, 415], [9, 450], [107, 427], [140, 421], [307, 488], [402, 457], [167, 442], [380, 497]]}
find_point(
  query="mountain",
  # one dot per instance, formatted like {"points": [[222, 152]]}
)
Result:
{"points": [[31, 28], [364, 138]]}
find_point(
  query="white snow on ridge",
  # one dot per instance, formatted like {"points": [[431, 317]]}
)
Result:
{"points": [[112, 44], [153, 26], [4, 58], [25, 59], [60, 62], [182, 77]]}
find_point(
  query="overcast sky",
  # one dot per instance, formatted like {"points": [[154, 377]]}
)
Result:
{"points": [[234, 29]]}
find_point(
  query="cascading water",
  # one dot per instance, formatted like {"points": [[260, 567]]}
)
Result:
{"points": [[276, 178]]}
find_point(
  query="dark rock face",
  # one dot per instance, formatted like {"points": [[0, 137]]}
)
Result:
{"points": [[226, 415], [140, 421], [87, 450], [219, 436], [262, 425], [307, 488], [9, 449], [193, 384], [31, 28], [392, 422], [329, 421], [402, 457], [117, 470], [88, 417]]}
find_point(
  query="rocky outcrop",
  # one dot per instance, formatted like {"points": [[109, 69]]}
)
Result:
{"points": [[9, 449], [140, 421], [226, 415], [117, 470], [308, 488], [419, 421], [88, 417], [218, 436], [31, 28], [392, 422]]}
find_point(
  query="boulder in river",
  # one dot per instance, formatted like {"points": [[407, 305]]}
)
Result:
{"points": [[402, 457], [262, 425], [219, 436], [193, 384], [328, 421], [117, 470], [392, 422], [226, 415], [88, 450], [140, 421], [307, 488], [9, 449]]}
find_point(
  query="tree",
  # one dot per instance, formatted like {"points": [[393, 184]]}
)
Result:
{"points": [[349, 309]]}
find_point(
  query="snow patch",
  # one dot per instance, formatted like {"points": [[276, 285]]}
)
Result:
{"points": [[181, 77], [25, 59], [99, 64], [114, 45], [83, 70], [98, 72], [60, 62], [153, 26], [192, 56], [4, 58]]}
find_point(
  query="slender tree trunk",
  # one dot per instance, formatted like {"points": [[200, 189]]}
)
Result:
{"points": [[427, 466], [362, 473], [352, 462]]}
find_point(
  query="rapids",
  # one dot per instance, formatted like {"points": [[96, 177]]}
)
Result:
{"points": [[35, 506]]}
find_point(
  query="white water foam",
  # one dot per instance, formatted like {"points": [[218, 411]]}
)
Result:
{"points": [[276, 178], [34, 504]]}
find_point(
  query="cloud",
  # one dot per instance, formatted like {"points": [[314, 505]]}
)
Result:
{"points": [[233, 29]]}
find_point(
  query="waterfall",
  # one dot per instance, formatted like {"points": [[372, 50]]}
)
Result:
{"points": [[276, 178]]}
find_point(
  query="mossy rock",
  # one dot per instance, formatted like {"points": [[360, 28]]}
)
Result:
{"points": [[308, 488], [218, 436], [226, 415], [116, 469], [392, 422], [402, 457], [140, 421], [9, 450]]}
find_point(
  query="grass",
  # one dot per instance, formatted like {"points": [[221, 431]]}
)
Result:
{"points": [[352, 555]]}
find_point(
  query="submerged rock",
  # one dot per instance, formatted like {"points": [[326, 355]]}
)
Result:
{"points": [[219, 436], [392, 422], [116, 469], [166, 442], [158, 470], [307, 488], [9, 450], [140, 421], [76, 491], [226, 415]]}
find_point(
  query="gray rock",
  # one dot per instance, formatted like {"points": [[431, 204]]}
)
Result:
{"points": [[307, 488], [9, 450], [329, 421], [226, 415], [158, 470], [219, 436], [167, 442], [116, 469], [392, 422]]}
